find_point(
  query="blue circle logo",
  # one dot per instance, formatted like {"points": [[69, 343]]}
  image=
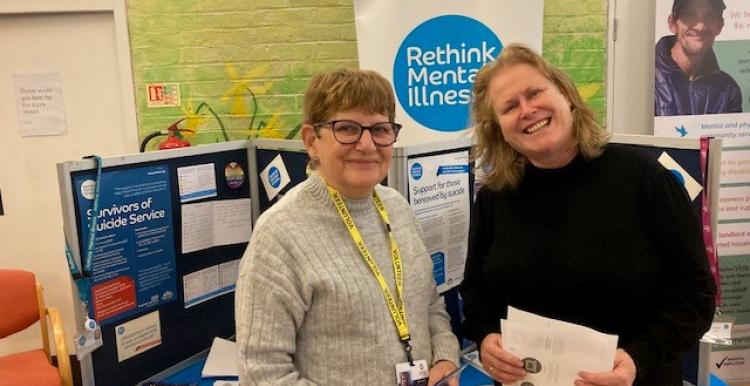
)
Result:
{"points": [[274, 177], [680, 178], [435, 69], [416, 171]]}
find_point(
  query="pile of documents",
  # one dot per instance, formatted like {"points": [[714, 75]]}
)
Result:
{"points": [[222, 360], [554, 352]]}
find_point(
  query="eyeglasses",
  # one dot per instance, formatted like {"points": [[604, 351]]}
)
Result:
{"points": [[349, 132]]}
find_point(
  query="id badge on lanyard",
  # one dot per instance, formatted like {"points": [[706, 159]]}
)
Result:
{"points": [[412, 374]]}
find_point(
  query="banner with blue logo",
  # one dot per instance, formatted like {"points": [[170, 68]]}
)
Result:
{"points": [[440, 197], [431, 52]]}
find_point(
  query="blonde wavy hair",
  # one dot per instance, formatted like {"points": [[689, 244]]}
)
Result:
{"points": [[503, 166]]}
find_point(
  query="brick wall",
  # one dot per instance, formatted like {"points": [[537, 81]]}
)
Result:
{"points": [[575, 39], [242, 66]]}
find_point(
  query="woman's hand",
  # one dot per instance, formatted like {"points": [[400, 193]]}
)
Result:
{"points": [[501, 365], [623, 373], [441, 369]]}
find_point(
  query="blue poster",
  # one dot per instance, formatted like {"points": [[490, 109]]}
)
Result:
{"points": [[134, 257]]}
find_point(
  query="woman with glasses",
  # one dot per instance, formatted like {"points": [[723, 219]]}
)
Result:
{"points": [[336, 286]]}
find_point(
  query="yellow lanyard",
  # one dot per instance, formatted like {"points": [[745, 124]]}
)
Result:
{"points": [[396, 308]]}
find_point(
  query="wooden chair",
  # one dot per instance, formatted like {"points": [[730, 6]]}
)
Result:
{"points": [[21, 305]]}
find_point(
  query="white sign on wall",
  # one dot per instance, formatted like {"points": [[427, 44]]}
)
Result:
{"points": [[432, 50], [40, 105]]}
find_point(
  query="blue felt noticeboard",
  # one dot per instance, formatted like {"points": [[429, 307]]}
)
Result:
{"points": [[139, 264]]}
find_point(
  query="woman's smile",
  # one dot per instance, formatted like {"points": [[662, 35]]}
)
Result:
{"points": [[537, 126]]}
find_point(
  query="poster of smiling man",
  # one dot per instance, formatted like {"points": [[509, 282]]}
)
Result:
{"points": [[702, 68]]}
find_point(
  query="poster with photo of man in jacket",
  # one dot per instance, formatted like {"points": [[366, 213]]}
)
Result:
{"points": [[688, 80]]}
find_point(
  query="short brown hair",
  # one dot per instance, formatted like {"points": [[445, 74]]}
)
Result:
{"points": [[347, 89], [503, 165]]}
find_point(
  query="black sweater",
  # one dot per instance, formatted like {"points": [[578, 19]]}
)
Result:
{"points": [[613, 243]]}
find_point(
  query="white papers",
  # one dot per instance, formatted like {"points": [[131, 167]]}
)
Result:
{"points": [[209, 283], [554, 352], [275, 177], [137, 336], [720, 332], [208, 224], [196, 182], [222, 359]]}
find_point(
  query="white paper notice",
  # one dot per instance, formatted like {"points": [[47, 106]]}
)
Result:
{"points": [[554, 352], [40, 104], [439, 196], [138, 336], [232, 221], [208, 224], [275, 177], [199, 284], [228, 273], [196, 182], [691, 185], [211, 282], [197, 226]]}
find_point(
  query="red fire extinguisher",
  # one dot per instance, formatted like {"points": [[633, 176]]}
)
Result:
{"points": [[174, 138]]}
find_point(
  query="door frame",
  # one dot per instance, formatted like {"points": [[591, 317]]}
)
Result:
{"points": [[118, 9]]}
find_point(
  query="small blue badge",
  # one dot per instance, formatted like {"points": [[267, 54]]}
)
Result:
{"points": [[416, 171], [274, 177]]}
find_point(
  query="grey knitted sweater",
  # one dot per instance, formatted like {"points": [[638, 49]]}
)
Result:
{"points": [[309, 310]]}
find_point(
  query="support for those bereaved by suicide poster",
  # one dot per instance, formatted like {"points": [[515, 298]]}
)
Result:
{"points": [[432, 50], [439, 196], [722, 112], [134, 257]]}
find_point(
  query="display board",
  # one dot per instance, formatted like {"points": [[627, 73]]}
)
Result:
{"points": [[170, 230], [685, 152]]}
